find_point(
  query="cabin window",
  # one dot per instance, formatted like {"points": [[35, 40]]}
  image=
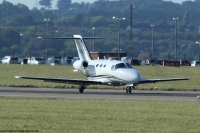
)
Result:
{"points": [[101, 65], [97, 65], [104, 66]]}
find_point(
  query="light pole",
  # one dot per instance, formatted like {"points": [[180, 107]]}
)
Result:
{"points": [[47, 20], [152, 53], [175, 19], [119, 19], [57, 42], [21, 44], [93, 39], [131, 50]]}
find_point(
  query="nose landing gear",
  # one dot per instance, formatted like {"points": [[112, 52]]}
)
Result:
{"points": [[81, 88], [129, 89]]}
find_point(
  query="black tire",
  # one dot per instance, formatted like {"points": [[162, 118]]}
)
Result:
{"points": [[81, 90], [128, 90]]}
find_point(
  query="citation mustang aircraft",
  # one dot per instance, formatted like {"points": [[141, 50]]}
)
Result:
{"points": [[103, 72]]}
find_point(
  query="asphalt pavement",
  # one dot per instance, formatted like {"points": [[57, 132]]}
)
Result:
{"points": [[99, 94]]}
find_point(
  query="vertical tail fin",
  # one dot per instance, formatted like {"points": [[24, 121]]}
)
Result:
{"points": [[81, 48]]}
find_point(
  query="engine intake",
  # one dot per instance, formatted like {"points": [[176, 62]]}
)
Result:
{"points": [[80, 64], [85, 64]]}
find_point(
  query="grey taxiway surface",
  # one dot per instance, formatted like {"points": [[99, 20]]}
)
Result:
{"points": [[98, 94]]}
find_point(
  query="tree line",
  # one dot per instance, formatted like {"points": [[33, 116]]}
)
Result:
{"points": [[21, 27]]}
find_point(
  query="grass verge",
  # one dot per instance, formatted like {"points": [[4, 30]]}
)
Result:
{"points": [[99, 116], [9, 71]]}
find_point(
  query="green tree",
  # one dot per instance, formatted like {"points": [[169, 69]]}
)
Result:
{"points": [[78, 19], [98, 21], [5, 51], [28, 20], [23, 8], [46, 3], [186, 19], [63, 4], [188, 5], [36, 14]]}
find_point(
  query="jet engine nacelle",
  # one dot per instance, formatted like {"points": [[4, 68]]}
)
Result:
{"points": [[80, 64]]}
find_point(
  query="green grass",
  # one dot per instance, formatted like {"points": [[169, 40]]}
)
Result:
{"points": [[173, 72], [99, 116], [7, 73]]}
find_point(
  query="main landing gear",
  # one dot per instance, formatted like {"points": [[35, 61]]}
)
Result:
{"points": [[129, 89], [81, 88]]}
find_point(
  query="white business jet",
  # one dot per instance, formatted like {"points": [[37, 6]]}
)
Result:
{"points": [[105, 72]]}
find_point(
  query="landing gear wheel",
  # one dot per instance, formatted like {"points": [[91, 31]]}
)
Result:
{"points": [[128, 90], [81, 88]]}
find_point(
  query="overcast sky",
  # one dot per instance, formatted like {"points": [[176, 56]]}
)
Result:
{"points": [[32, 3]]}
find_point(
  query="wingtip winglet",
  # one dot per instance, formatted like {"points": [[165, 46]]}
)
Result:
{"points": [[17, 77]]}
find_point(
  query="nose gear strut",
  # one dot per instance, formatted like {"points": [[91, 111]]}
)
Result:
{"points": [[81, 88], [129, 89]]}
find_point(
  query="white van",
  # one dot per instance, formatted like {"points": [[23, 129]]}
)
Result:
{"points": [[195, 63], [36, 60], [9, 60], [126, 59]]}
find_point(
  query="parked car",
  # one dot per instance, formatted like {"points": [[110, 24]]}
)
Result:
{"points": [[150, 61], [157, 62], [9, 60], [57, 60], [195, 63], [69, 60], [144, 62], [185, 63], [24, 61], [54, 60], [125, 59], [36, 60], [135, 62], [75, 59], [113, 58], [19, 60], [66, 60]]}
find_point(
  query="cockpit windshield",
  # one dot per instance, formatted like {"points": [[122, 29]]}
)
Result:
{"points": [[128, 65], [121, 65]]}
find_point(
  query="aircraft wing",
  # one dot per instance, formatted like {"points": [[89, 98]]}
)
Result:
{"points": [[62, 80], [161, 80]]}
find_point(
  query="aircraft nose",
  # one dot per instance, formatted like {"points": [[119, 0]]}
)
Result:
{"points": [[134, 76], [130, 75]]}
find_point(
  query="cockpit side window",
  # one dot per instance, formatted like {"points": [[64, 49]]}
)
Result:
{"points": [[129, 66], [113, 68]]}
